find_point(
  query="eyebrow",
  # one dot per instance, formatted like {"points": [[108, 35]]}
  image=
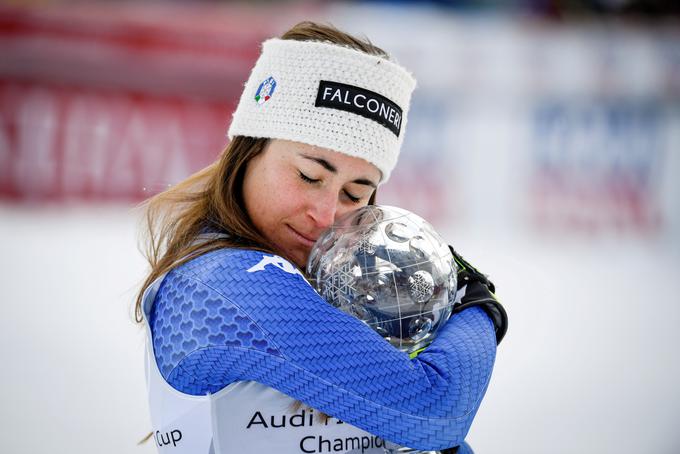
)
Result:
{"points": [[331, 168]]}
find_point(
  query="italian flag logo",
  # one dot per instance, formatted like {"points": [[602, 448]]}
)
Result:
{"points": [[265, 90]]}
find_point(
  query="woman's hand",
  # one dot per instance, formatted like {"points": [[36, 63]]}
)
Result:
{"points": [[475, 289]]}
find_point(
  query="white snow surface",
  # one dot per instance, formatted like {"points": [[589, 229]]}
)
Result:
{"points": [[590, 362]]}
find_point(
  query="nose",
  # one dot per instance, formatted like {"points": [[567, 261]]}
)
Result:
{"points": [[323, 209]]}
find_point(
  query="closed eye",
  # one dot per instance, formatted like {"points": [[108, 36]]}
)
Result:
{"points": [[307, 179], [352, 198]]}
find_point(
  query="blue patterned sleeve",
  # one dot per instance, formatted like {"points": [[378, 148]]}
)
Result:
{"points": [[234, 315]]}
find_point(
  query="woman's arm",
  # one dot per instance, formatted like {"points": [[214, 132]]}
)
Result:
{"points": [[235, 315]]}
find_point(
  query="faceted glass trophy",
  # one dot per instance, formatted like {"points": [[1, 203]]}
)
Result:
{"points": [[389, 268]]}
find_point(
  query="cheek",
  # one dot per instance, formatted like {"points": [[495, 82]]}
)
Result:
{"points": [[287, 198], [275, 201], [257, 198], [346, 209]]}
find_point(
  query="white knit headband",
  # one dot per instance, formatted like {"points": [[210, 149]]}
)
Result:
{"points": [[329, 96]]}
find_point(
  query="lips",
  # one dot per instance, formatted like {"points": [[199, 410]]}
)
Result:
{"points": [[306, 240]]}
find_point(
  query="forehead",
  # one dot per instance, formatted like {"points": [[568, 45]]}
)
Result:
{"points": [[345, 165]]}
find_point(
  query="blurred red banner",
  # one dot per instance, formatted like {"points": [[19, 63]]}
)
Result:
{"points": [[66, 143], [117, 102]]}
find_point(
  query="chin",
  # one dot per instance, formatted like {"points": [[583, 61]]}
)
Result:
{"points": [[296, 257], [300, 263], [300, 259]]}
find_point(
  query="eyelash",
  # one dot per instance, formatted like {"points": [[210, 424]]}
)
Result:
{"points": [[306, 179], [352, 198]]}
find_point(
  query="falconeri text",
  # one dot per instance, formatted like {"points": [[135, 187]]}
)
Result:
{"points": [[360, 101]]}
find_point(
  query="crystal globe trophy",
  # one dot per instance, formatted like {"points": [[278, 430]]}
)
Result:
{"points": [[390, 269]]}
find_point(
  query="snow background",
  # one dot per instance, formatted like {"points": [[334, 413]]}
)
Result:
{"points": [[590, 360]]}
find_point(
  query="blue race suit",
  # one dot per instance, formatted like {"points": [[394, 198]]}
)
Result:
{"points": [[234, 315]]}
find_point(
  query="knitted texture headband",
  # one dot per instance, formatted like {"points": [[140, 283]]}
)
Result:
{"points": [[329, 96]]}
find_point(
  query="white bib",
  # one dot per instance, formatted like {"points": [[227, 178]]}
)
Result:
{"points": [[244, 417]]}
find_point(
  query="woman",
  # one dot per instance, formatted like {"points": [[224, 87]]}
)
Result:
{"points": [[238, 337]]}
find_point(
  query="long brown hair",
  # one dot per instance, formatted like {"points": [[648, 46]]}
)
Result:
{"points": [[211, 200]]}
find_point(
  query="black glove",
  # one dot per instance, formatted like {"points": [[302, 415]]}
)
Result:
{"points": [[479, 292]]}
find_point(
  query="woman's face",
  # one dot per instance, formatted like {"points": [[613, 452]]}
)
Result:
{"points": [[294, 191]]}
